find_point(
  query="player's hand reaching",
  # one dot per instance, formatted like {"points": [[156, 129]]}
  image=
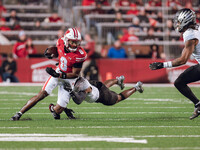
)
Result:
{"points": [[69, 113], [156, 65]]}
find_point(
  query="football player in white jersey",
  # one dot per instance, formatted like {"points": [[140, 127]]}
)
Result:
{"points": [[185, 22], [98, 92]]}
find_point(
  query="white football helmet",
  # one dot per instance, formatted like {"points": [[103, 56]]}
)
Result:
{"points": [[183, 19], [72, 39]]}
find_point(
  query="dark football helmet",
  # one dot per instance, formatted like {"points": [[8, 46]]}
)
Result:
{"points": [[183, 19]]}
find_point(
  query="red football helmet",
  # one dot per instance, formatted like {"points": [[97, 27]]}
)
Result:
{"points": [[72, 39]]}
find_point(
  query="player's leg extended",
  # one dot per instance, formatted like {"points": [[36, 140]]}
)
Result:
{"points": [[32, 102], [188, 76], [119, 80], [50, 84], [126, 93], [110, 82]]}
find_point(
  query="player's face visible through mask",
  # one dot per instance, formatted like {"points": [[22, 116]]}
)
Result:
{"points": [[73, 44]]}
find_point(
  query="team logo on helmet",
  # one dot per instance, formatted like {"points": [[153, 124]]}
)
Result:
{"points": [[183, 19], [72, 39]]}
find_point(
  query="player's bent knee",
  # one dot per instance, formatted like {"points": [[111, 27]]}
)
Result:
{"points": [[179, 83]]}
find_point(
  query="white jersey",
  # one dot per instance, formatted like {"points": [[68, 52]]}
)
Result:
{"points": [[92, 96], [190, 34]]}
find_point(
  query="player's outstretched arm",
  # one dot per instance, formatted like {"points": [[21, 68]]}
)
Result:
{"points": [[78, 97], [186, 53], [156, 65]]}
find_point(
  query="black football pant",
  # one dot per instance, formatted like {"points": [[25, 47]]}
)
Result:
{"points": [[190, 75]]}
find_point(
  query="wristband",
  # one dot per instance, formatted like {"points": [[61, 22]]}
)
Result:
{"points": [[167, 64]]}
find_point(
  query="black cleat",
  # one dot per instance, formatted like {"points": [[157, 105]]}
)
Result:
{"points": [[69, 113], [196, 112], [55, 115], [16, 117]]}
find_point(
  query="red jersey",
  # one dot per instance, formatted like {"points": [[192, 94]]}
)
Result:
{"points": [[51, 19], [19, 49], [68, 59], [4, 28], [129, 38]]}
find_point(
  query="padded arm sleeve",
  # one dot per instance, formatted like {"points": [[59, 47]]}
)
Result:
{"points": [[78, 97]]}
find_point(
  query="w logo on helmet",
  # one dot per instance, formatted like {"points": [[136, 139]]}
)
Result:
{"points": [[72, 39], [75, 32]]}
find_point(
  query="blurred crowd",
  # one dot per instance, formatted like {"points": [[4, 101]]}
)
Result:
{"points": [[146, 24]]}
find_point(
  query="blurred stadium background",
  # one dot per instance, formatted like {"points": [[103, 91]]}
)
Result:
{"points": [[99, 21], [158, 119]]}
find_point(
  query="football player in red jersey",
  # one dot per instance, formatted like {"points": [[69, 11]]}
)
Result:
{"points": [[71, 57]]}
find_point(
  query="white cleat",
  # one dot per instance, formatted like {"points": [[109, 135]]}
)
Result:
{"points": [[139, 87], [120, 81]]}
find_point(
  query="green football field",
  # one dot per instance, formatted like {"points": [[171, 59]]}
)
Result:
{"points": [[156, 119]]}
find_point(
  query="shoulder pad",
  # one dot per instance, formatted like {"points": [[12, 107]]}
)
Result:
{"points": [[81, 55]]}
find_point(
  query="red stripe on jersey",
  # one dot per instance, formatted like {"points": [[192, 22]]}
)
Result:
{"points": [[43, 88]]}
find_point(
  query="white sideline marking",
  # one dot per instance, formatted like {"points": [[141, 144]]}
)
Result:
{"points": [[66, 138]]}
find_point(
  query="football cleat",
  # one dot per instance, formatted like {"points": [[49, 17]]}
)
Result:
{"points": [[120, 81], [196, 112], [54, 114], [139, 87], [69, 113], [16, 117]]}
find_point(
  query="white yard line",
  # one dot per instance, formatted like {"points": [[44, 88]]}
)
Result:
{"points": [[106, 127], [67, 138], [20, 93], [124, 127]]}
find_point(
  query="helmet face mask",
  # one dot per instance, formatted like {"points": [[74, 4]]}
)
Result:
{"points": [[72, 39], [183, 19]]}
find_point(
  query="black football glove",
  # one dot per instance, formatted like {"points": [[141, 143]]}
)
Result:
{"points": [[63, 75], [156, 65], [69, 113], [47, 55], [52, 72]]}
